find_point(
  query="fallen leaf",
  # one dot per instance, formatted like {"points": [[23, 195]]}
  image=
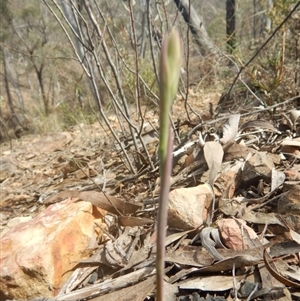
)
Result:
{"points": [[231, 128], [294, 115], [109, 285], [213, 153], [137, 292], [210, 283], [208, 236], [262, 124], [190, 255], [276, 275], [288, 142], [262, 218], [227, 264], [98, 199], [277, 179], [132, 221]]}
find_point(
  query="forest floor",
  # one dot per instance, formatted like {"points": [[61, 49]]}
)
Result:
{"points": [[36, 169]]}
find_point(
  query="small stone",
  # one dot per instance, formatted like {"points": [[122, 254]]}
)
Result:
{"points": [[259, 166], [290, 202], [232, 233], [188, 207]]}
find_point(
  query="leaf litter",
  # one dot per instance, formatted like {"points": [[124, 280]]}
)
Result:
{"points": [[248, 249]]}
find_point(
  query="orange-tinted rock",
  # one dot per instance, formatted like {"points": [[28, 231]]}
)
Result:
{"points": [[37, 256]]}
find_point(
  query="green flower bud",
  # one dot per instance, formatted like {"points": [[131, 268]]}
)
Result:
{"points": [[170, 64]]}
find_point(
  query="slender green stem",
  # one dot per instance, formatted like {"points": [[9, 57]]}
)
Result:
{"points": [[165, 172], [170, 62]]}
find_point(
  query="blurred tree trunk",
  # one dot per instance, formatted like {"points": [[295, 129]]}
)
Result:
{"points": [[80, 40], [268, 19], [37, 64], [6, 21], [196, 26], [258, 19], [230, 25], [6, 81], [16, 85], [39, 73]]}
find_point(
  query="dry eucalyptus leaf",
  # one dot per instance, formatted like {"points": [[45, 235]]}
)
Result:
{"points": [[232, 207], [184, 148], [139, 257], [78, 276], [109, 285], [215, 234], [210, 283], [213, 153], [278, 178], [190, 256], [277, 275], [137, 292], [295, 236], [98, 199], [293, 142], [183, 273], [170, 291], [277, 293], [133, 221], [262, 124], [262, 218], [116, 252], [284, 248], [238, 261], [176, 236], [198, 257], [208, 242], [294, 115], [231, 128]]}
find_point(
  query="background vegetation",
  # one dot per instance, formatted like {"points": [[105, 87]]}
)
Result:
{"points": [[68, 62]]}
